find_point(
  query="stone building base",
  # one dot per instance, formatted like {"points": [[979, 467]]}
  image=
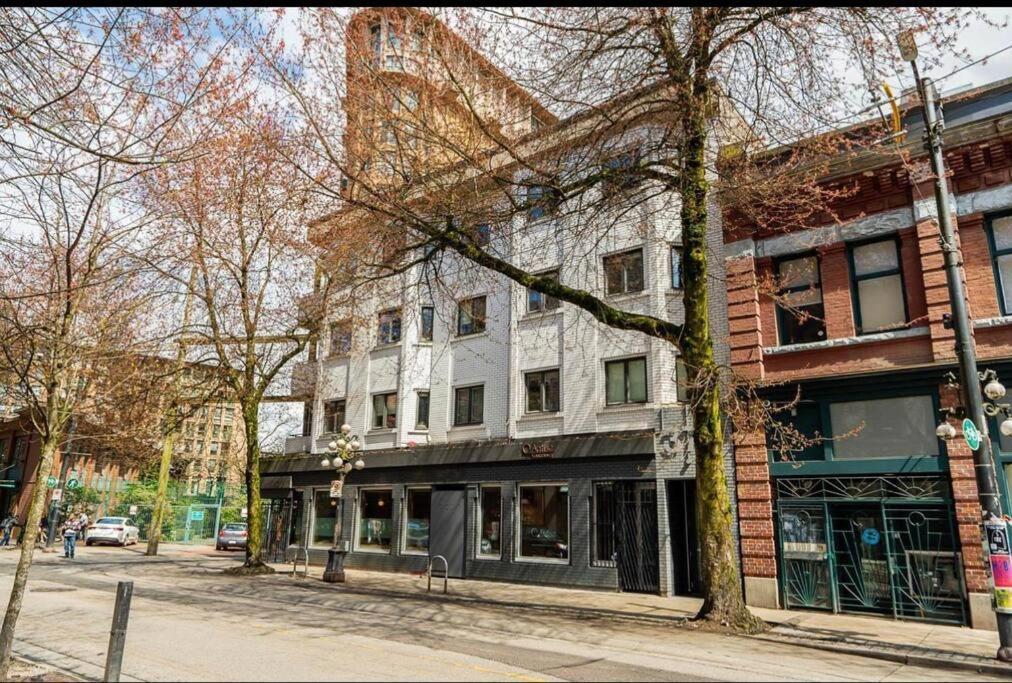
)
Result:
{"points": [[762, 591], [982, 612]]}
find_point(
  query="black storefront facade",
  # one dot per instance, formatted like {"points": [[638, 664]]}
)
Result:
{"points": [[582, 511]]}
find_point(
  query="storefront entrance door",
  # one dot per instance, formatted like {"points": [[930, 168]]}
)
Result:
{"points": [[862, 568], [636, 524], [446, 535]]}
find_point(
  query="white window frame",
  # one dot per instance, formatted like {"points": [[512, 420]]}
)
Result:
{"points": [[404, 550], [541, 371], [358, 520], [478, 555], [627, 404], [518, 524]]}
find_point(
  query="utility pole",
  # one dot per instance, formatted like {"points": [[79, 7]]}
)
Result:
{"points": [[172, 419], [969, 379]]}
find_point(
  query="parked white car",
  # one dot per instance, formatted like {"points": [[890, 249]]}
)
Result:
{"points": [[116, 530]]}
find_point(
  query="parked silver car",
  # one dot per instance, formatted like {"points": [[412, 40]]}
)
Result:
{"points": [[114, 530]]}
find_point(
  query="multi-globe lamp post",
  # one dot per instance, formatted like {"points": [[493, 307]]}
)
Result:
{"points": [[344, 456]]}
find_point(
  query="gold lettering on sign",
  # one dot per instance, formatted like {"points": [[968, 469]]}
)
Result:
{"points": [[540, 449]]}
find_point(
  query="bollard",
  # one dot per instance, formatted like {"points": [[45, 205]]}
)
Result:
{"points": [[117, 635]]}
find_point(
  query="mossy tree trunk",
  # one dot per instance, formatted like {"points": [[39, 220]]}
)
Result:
{"points": [[254, 513]]}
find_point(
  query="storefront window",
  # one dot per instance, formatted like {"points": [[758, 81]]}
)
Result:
{"points": [[375, 516], [604, 523], [884, 428], [490, 522], [417, 513], [544, 521], [324, 516]]}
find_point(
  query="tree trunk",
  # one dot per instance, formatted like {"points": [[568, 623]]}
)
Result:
{"points": [[254, 515], [28, 538], [722, 596], [161, 499]]}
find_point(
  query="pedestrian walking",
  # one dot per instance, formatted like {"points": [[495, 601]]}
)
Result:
{"points": [[69, 531], [82, 528], [6, 526], [43, 535]]}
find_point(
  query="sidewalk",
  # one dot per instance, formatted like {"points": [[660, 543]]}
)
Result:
{"points": [[879, 637]]}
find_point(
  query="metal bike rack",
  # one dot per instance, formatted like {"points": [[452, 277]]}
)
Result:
{"points": [[446, 572], [294, 550]]}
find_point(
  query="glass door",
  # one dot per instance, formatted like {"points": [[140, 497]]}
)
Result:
{"points": [[862, 563], [805, 557]]}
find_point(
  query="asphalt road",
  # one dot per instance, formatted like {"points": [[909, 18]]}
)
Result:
{"points": [[189, 622]]}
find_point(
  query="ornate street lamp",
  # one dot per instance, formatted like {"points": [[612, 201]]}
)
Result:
{"points": [[344, 456]]}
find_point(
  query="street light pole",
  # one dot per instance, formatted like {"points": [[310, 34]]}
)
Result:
{"points": [[969, 379], [343, 451]]}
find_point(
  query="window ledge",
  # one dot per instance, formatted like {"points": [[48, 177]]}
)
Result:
{"points": [[540, 417], [541, 315], [1000, 321], [626, 408], [383, 347], [849, 341], [466, 431], [381, 430], [628, 296], [471, 335], [424, 343], [336, 357]]}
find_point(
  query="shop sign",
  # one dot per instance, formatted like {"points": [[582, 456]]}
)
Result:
{"points": [[538, 450], [997, 538], [336, 488], [870, 536]]}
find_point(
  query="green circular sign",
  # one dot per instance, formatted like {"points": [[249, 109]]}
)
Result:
{"points": [[73, 484], [971, 434], [51, 482]]}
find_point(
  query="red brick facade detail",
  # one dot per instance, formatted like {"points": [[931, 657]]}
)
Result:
{"points": [[835, 274]]}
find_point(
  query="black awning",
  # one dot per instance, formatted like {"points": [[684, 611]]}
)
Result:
{"points": [[277, 486]]}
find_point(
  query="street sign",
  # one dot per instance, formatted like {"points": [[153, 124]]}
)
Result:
{"points": [[971, 434], [133, 510], [7, 483], [243, 513], [51, 481], [336, 488], [73, 484], [196, 515], [57, 495]]}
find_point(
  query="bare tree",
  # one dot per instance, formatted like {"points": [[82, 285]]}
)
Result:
{"points": [[236, 214], [89, 106], [608, 116]]}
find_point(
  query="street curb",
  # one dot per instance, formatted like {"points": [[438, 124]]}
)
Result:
{"points": [[891, 653]]}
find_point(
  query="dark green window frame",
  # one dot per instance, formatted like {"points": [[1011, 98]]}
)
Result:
{"points": [[474, 397], [829, 465], [782, 315], [1004, 306], [854, 279]]}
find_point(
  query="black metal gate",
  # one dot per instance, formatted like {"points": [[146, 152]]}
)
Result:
{"points": [[636, 537], [281, 524]]}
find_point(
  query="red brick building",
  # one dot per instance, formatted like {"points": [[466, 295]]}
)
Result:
{"points": [[872, 513]]}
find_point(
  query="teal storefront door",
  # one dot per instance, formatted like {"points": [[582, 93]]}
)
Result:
{"points": [[870, 545]]}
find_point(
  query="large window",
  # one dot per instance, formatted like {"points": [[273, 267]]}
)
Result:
{"points": [[427, 319], [542, 391], [333, 416], [417, 513], [538, 302], [603, 523], [624, 272], [1000, 236], [877, 286], [490, 522], [469, 405], [375, 515], [544, 521], [324, 516], [800, 313], [471, 316], [422, 414], [620, 173], [884, 428], [384, 411], [625, 381], [390, 326], [340, 338]]}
